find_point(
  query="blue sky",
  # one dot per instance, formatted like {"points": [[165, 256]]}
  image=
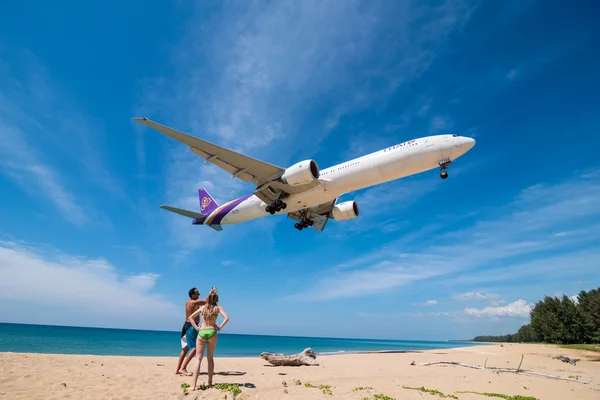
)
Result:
{"points": [[83, 242]]}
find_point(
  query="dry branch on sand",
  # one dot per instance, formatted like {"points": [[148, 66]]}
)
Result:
{"points": [[518, 370], [306, 357]]}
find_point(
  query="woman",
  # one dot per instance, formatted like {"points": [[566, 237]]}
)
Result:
{"points": [[207, 333]]}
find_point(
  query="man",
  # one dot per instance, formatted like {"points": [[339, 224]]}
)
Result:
{"points": [[188, 333]]}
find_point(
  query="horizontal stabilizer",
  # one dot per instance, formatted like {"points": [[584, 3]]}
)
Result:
{"points": [[185, 213]]}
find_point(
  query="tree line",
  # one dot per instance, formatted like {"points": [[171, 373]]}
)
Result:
{"points": [[560, 321]]}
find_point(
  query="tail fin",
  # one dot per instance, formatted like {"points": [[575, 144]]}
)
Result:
{"points": [[207, 203]]}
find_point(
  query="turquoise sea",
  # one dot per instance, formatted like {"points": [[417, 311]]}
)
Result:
{"points": [[23, 338]]}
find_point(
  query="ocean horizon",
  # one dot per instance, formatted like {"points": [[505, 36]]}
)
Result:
{"points": [[58, 339]]}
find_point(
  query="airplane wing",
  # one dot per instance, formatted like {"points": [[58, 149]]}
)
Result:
{"points": [[319, 214], [248, 169]]}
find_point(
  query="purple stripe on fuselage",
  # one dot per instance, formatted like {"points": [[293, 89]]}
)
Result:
{"points": [[225, 210]]}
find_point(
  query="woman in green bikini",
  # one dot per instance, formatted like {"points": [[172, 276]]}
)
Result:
{"points": [[207, 333]]}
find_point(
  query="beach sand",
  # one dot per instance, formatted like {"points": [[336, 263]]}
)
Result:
{"points": [[45, 376]]}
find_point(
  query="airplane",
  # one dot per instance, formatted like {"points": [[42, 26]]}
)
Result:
{"points": [[304, 192]]}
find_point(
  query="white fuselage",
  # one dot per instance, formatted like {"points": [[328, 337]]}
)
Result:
{"points": [[395, 162]]}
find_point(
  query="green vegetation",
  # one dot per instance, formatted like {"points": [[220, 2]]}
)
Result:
{"points": [[503, 396], [560, 321], [379, 396], [356, 389], [382, 396], [184, 387], [588, 347], [432, 391], [229, 387], [326, 389]]}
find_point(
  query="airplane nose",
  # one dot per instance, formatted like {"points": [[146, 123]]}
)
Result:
{"points": [[469, 143], [466, 143]]}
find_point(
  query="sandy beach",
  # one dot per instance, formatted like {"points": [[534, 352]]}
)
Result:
{"points": [[45, 376]]}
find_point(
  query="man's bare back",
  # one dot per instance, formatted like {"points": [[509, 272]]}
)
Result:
{"points": [[191, 306]]}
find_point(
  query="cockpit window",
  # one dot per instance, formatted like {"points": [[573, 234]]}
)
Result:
{"points": [[454, 135]]}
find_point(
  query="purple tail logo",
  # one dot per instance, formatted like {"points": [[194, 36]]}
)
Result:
{"points": [[207, 203]]}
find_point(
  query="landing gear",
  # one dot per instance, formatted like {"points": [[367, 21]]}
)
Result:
{"points": [[276, 206], [303, 223], [443, 165]]}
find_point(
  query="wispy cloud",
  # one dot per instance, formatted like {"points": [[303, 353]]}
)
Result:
{"points": [[100, 292], [471, 296], [21, 164], [381, 205], [488, 83], [43, 134], [268, 69], [519, 308], [426, 303], [500, 245]]}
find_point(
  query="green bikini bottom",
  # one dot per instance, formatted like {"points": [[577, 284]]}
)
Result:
{"points": [[207, 333]]}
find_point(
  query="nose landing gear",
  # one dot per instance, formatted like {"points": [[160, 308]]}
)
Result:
{"points": [[445, 163]]}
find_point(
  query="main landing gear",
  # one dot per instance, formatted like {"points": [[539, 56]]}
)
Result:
{"points": [[276, 206], [303, 223], [443, 165]]}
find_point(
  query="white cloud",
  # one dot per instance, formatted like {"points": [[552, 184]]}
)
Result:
{"points": [[227, 263], [512, 242], [428, 314], [471, 296], [268, 69], [143, 282], [519, 308], [426, 303], [440, 125], [50, 287]]}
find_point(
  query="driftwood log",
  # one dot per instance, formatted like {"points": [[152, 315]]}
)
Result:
{"points": [[306, 357]]}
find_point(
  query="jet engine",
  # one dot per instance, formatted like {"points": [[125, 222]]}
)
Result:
{"points": [[345, 210], [301, 173]]}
